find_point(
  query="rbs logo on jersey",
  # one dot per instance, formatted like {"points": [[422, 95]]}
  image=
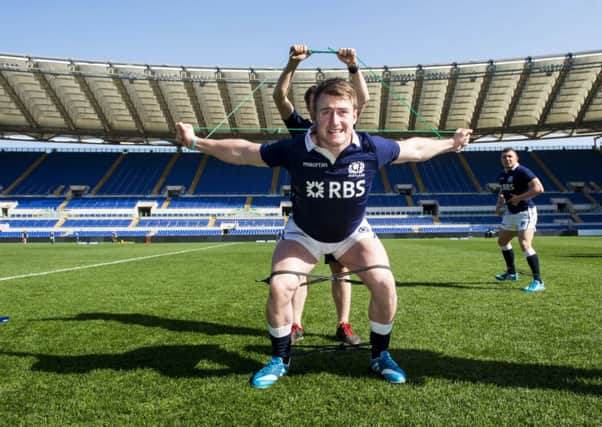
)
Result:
{"points": [[335, 189]]}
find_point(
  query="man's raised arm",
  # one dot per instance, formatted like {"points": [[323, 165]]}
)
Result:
{"points": [[280, 95], [421, 149], [235, 151], [349, 58]]}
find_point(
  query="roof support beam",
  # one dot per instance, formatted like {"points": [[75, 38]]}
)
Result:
{"points": [[171, 124], [255, 83], [194, 100], [566, 67], [45, 84], [227, 102], [483, 91], [127, 100], [12, 94], [588, 100], [416, 96], [85, 87], [161, 100], [518, 90], [384, 98], [449, 95]]}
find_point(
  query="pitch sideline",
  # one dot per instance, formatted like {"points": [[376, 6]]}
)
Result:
{"points": [[102, 264]]}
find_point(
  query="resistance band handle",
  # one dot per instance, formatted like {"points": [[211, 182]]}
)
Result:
{"points": [[310, 51]]}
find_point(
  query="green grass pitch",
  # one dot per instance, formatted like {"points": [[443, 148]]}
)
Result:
{"points": [[169, 334]]}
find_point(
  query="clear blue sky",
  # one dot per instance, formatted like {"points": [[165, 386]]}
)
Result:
{"points": [[258, 33]]}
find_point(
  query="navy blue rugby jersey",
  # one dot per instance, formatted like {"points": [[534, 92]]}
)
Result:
{"points": [[329, 200], [295, 121], [516, 181]]}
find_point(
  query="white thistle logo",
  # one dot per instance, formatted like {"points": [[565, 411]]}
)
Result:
{"points": [[315, 189], [356, 169]]}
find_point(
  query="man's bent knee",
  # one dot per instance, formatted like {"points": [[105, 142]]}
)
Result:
{"points": [[383, 289], [283, 286]]}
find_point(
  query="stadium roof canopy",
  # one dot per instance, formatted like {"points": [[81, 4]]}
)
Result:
{"points": [[532, 98]]}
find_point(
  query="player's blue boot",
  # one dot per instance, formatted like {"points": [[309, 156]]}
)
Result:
{"points": [[507, 276], [387, 367], [535, 286], [270, 373]]}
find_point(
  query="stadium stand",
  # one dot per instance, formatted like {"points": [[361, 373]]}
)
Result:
{"points": [[14, 167], [447, 196], [445, 174], [183, 172], [60, 170], [223, 178], [137, 174], [575, 166]]}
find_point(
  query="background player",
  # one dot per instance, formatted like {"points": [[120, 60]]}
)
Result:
{"points": [[518, 185]]}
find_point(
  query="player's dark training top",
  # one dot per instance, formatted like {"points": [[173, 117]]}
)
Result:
{"points": [[329, 199], [295, 121], [513, 182]]}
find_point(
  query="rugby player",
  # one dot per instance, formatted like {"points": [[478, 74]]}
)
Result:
{"points": [[297, 124], [518, 186], [332, 168]]}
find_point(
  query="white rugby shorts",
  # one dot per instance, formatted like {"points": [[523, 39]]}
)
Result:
{"points": [[525, 220], [317, 249]]}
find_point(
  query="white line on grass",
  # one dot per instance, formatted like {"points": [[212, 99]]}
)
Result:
{"points": [[102, 264]]}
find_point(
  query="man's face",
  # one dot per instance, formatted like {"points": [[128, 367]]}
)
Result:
{"points": [[509, 159], [335, 117]]}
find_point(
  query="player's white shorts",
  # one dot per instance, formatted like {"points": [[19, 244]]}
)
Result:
{"points": [[318, 249], [525, 220]]}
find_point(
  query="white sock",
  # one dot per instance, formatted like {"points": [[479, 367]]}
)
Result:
{"points": [[280, 332], [381, 328]]}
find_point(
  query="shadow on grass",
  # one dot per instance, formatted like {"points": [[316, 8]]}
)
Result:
{"points": [[177, 361], [488, 285], [182, 361], [581, 256], [208, 328], [423, 364]]}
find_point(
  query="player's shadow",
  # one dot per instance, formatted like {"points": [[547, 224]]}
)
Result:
{"points": [[488, 285], [582, 256], [423, 364], [177, 361], [208, 328]]}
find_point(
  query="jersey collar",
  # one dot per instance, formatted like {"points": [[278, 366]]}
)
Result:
{"points": [[309, 144]]}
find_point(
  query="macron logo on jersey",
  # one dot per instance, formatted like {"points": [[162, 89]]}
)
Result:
{"points": [[335, 189], [315, 164]]}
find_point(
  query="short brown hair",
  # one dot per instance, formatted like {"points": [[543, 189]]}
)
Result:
{"points": [[335, 87], [308, 94]]}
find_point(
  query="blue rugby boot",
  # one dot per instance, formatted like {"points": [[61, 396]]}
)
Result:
{"points": [[270, 373], [535, 286], [387, 367], [507, 276]]}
